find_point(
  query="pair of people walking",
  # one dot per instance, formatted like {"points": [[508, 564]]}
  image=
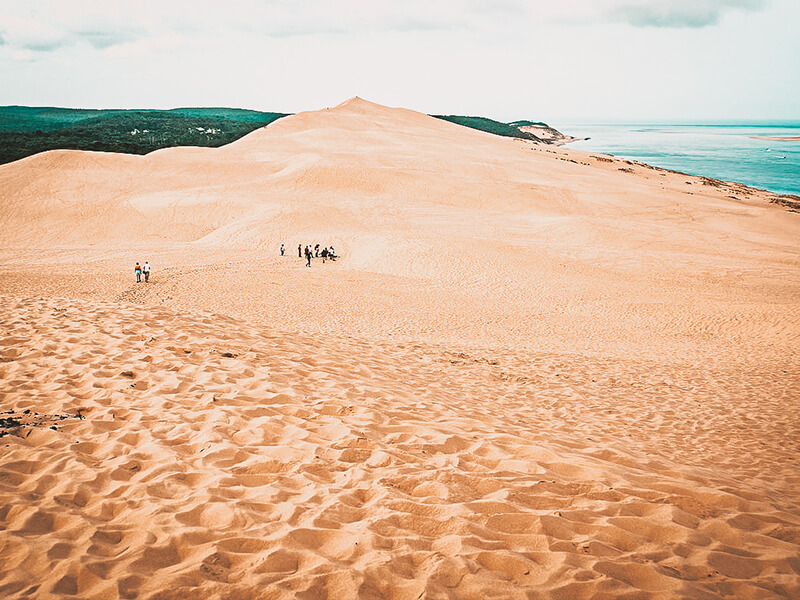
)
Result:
{"points": [[142, 270]]}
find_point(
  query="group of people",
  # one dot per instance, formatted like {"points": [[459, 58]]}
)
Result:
{"points": [[309, 252], [142, 270], [315, 252]]}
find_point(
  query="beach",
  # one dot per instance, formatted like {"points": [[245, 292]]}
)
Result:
{"points": [[532, 372], [760, 154]]}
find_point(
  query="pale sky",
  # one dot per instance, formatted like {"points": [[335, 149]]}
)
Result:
{"points": [[550, 60]]}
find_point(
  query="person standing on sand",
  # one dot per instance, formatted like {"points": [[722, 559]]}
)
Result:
{"points": [[146, 271], [316, 250], [138, 270], [299, 251], [308, 256], [283, 250]]}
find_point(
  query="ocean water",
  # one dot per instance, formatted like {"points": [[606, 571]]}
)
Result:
{"points": [[722, 151]]}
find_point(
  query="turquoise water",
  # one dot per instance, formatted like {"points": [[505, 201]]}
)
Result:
{"points": [[721, 151]]}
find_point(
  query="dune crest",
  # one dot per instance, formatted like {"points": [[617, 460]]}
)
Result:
{"points": [[358, 104]]}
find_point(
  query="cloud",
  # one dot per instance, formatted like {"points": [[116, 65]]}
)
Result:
{"points": [[678, 13], [111, 36], [21, 32], [637, 13], [42, 26]]}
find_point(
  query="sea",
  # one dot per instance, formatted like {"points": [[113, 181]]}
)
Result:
{"points": [[727, 151]]}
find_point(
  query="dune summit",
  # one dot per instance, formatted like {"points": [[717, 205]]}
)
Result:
{"points": [[533, 373]]}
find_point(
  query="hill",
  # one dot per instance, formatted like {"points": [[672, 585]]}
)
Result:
{"points": [[25, 131], [532, 372], [490, 126]]}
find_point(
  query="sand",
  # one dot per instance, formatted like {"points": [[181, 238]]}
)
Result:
{"points": [[778, 138], [533, 372]]}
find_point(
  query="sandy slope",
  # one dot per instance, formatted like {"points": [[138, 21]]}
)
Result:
{"points": [[534, 373]]}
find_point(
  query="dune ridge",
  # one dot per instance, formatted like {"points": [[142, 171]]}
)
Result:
{"points": [[533, 372]]}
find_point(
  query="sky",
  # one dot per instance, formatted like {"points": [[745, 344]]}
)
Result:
{"points": [[550, 60]]}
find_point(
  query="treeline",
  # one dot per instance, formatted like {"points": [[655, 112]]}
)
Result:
{"points": [[491, 126], [25, 131]]}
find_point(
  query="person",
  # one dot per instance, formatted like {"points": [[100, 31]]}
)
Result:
{"points": [[283, 250], [316, 251], [331, 253], [324, 254], [146, 271], [299, 251], [308, 256], [138, 270]]}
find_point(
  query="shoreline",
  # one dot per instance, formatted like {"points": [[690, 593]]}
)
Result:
{"points": [[726, 154], [790, 201], [720, 182]]}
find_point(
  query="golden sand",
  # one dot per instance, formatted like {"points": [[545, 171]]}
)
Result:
{"points": [[533, 373]]}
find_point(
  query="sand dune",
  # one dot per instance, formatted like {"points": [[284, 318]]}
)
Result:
{"points": [[534, 372]]}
